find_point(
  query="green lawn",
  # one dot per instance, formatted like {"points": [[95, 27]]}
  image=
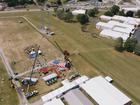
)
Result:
{"points": [[97, 55], [8, 95]]}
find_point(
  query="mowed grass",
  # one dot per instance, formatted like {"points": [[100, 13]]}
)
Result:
{"points": [[8, 95], [97, 55]]}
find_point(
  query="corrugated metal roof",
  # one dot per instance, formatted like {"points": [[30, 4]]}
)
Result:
{"points": [[76, 97], [104, 93]]}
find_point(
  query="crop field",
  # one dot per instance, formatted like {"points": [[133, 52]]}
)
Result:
{"points": [[96, 55]]}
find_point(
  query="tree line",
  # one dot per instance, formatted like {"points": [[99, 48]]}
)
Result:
{"points": [[115, 10], [67, 15], [12, 3], [130, 45]]}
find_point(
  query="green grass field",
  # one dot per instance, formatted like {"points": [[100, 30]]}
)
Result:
{"points": [[8, 95], [97, 55]]}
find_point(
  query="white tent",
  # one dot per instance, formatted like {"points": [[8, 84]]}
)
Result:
{"points": [[105, 93], [122, 30], [119, 18], [103, 25], [113, 34], [77, 12], [131, 9], [105, 18], [116, 23]]}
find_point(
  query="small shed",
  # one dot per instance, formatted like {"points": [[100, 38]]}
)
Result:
{"points": [[109, 79], [50, 77]]}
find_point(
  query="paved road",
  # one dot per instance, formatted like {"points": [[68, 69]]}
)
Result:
{"points": [[22, 10]]}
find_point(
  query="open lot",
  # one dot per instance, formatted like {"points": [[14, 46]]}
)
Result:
{"points": [[8, 95], [15, 37], [97, 55]]}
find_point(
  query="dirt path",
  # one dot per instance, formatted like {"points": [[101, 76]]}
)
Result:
{"points": [[22, 98]]}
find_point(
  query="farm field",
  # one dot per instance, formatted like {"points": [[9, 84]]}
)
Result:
{"points": [[97, 56], [6, 92]]}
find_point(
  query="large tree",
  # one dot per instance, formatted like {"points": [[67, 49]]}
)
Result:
{"points": [[121, 13], [138, 13], [130, 13], [83, 19], [108, 13], [119, 44], [12, 3], [60, 14], [137, 49], [130, 44], [91, 13], [114, 9], [68, 16]]}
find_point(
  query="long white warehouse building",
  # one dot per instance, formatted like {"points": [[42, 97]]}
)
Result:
{"points": [[104, 93]]}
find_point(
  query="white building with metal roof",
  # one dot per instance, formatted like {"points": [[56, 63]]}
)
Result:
{"points": [[48, 77], [66, 87], [54, 102], [104, 93]]}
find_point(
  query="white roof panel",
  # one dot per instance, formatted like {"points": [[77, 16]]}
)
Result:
{"points": [[80, 11], [113, 34], [54, 102], [106, 18], [48, 77], [119, 18], [104, 93], [104, 25], [66, 87], [122, 30], [115, 23]]}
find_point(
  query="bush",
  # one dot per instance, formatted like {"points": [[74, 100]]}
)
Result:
{"points": [[91, 13], [137, 49], [114, 9], [130, 44], [108, 13], [68, 16], [60, 14], [138, 13], [130, 14], [121, 13], [83, 19], [119, 44]]}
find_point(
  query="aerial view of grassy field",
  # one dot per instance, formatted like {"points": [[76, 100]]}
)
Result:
{"points": [[17, 38], [6, 91], [96, 55]]}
